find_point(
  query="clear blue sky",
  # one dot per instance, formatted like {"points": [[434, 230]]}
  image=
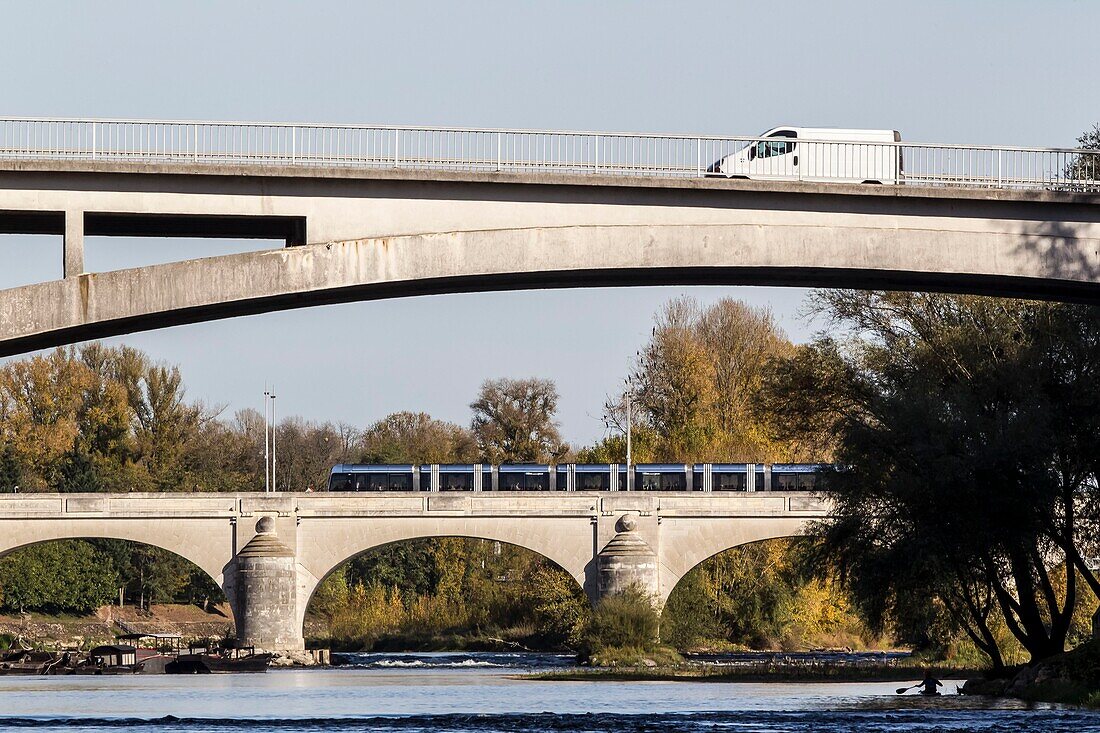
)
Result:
{"points": [[979, 72]]}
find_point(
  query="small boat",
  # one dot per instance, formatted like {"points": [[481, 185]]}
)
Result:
{"points": [[154, 651], [220, 658], [26, 662]]}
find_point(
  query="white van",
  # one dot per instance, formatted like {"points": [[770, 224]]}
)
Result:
{"points": [[817, 154]]}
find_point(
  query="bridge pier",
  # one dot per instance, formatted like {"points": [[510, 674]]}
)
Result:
{"points": [[74, 243], [265, 591], [627, 561]]}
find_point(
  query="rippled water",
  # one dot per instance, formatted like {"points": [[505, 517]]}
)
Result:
{"points": [[463, 693]]}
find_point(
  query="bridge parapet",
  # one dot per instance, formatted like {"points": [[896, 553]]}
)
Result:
{"points": [[308, 505]]}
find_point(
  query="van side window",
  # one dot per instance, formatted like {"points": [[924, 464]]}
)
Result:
{"points": [[770, 148]]}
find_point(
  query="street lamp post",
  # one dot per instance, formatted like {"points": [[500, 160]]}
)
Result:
{"points": [[629, 397], [274, 424], [267, 444]]}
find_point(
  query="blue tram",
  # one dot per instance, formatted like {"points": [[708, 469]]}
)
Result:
{"points": [[663, 477]]}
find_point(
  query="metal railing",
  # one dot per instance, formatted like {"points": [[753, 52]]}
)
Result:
{"points": [[529, 151]]}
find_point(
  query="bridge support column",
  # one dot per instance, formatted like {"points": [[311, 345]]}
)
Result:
{"points": [[74, 243], [266, 592], [627, 561]]}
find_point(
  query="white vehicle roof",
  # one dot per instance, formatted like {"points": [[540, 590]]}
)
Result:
{"points": [[839, 133]]}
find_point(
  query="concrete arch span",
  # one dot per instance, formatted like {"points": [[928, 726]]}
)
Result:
{"points": [[553, 539], [996, 257]]}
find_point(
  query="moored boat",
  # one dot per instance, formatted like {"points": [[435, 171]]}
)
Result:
{"points": [[219, 659]]}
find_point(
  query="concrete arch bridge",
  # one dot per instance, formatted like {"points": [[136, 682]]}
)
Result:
{"points": [[359, 233], [269, 552]]}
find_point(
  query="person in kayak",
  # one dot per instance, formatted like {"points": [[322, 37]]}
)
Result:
{"points": [[929, 683]]}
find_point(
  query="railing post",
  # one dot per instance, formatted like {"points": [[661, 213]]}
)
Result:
{"points": [[293, 145], [93, 140], [596, 155], [195, 132], [698, 156], [500, 144], [396, 148]]}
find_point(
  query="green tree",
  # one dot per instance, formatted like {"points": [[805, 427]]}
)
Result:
{"points": [[514, 421], [1086, 166], [67, 576], [10, 470]]}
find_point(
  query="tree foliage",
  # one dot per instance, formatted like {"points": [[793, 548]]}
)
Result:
{"points": [[69, 576], [696, 380], [968, 429], [414, 437], [514, 421]]}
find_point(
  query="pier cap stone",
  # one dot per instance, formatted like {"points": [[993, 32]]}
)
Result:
{"points": [[265, 543]]}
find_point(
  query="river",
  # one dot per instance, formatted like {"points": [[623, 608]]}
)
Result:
{"points": [[465, 693]]}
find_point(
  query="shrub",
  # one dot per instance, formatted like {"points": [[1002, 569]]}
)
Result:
{"points": [[625, 620]]}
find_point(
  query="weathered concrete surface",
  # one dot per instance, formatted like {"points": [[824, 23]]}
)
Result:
{"points": [[269, 552], [98, 305], [380, 234]]}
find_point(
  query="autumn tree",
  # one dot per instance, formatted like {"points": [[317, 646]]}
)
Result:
{"points": [[514, 421], [696, 380], [415, 437]]}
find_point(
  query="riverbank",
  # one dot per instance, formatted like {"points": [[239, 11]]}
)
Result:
{"points": [[81, 632], [695, 672], [1072, 678]]}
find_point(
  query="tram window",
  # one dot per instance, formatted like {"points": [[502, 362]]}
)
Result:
{"points": [[425, 480], [697, 480], [807, 482], [401, 482], [727, 481], [378, 482], [362, 482], [760, 481], [674, 481], [593, 481], [456, 481], [647, 482], [537, 481], [511, 481], [563, 479], [341, 482], [785, 482]]}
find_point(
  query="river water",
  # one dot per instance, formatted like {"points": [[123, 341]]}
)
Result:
{"points": [[466, 693]]}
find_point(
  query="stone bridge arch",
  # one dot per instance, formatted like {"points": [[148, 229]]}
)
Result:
{"points": [[568, 547], [202, 550], [682, 551]]}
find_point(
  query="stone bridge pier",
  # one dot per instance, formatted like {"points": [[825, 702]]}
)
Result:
{"points": [[270, 552]]}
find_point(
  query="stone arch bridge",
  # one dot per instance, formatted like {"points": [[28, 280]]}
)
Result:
{"points": [[269, 552]]}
